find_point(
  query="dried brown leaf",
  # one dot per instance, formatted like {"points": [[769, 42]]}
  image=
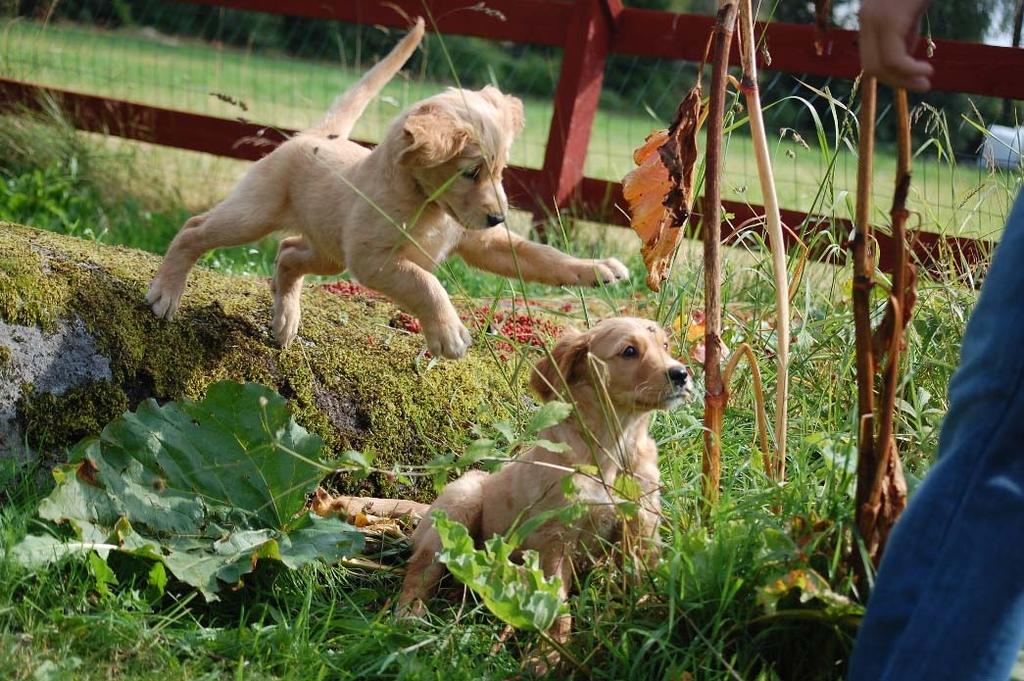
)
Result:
{"points": [[893, 501], [877, 521], [660, 190]]}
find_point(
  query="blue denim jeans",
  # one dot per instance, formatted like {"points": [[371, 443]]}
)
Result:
{"points": [[948, 602]]}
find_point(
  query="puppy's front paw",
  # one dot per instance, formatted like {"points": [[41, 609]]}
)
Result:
{"points": [[164, 299], [286, 323], [595, 272], [450, 340]]}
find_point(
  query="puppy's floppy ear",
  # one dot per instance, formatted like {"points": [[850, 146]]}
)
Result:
{"points": [[515, 109], [512, 107], [564, 368], [432, 136]]}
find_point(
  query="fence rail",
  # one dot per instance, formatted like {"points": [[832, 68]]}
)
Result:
{"points": [[970, 68], [587, 31]]}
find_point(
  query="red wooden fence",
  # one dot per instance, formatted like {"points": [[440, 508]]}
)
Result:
{"points": [[587, 31]]}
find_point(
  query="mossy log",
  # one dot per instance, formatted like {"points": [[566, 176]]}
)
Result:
{"points": [[78, 346]]}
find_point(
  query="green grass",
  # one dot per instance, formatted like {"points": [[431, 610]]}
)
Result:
{"points": [[697, 613], [696, 616], [54, 178], [182, 73]]}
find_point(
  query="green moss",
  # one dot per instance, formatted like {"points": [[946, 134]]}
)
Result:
{"points": [[25, 297], [350, 377], [5, 358], [49, 421]]}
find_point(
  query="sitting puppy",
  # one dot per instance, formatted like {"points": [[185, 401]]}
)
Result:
{"points": [[617, 373], [389, 215]]}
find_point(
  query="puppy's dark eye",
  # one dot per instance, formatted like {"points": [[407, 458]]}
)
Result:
{"points": [[472, 173], [630, 351], [665, 345]]}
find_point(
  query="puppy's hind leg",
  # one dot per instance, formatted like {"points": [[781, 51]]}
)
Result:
{"points": [[296, 257], [246, 215], [555, 561], [462, 500]]}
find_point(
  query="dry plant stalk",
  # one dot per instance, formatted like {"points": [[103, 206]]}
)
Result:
{"points": [[659, 193], [760, 413], [714, 389], [863, 272], [881, 488], [776, 467], [888, 495]]}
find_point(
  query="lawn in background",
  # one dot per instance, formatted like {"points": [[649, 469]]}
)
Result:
{"points": [[141, 65]]}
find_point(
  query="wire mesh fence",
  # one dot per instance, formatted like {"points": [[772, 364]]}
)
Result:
{"points": [[274, 70], [284, 71], [813, 124]]}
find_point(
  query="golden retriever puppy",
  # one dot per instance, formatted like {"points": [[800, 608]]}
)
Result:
{"points": [[431, 188], [617, 373]]}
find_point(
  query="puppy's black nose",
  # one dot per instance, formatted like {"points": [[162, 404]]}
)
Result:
{"points": [[494, 219], [678, 376]]}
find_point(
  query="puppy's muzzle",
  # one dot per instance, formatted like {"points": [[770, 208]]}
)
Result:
{"points": [[681, 385], [495, 219]]}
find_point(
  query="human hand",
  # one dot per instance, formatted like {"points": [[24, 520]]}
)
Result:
{"points": [[889, 31]]}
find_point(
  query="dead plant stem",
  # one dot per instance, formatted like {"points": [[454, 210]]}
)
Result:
{"points": [[863, 273], [714, 390], [760, 413], [773, 222], [884, 446]]}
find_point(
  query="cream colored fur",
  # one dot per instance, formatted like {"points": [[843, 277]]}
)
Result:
{"points": [[614, 392], [389, 216]]}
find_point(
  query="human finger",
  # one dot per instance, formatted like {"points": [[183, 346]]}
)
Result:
{"points": [[895, 65]]}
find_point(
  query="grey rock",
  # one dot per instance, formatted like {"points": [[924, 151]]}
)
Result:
{"points": [[52, 361]]}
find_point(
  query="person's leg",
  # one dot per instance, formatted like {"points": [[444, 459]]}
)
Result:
{"points": [[948, 602]]}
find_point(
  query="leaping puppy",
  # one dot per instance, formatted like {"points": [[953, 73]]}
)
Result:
{"points": [[432, 187]]}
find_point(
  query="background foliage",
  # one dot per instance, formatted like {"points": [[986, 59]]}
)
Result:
{"points": [[532, 69]]}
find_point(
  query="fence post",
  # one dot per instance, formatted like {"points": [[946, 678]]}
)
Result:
{"points": [[587, 41]]}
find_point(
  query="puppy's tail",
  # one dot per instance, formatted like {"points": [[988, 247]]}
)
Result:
{"points": [[349, 105], [325, 504]]}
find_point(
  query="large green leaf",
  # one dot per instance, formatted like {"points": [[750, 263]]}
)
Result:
{"points": [[36, 551], [208, 488], [517, 593], [239, 447]]}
